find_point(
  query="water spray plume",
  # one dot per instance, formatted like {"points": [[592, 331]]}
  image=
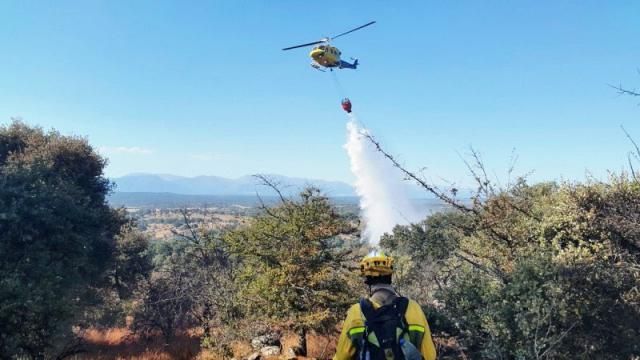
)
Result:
{"points": [[383, 198]]}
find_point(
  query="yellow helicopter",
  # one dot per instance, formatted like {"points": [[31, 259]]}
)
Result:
{"points": [[326, 56]]}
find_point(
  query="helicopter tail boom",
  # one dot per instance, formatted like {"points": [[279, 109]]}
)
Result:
{"points": [[347, 65]]}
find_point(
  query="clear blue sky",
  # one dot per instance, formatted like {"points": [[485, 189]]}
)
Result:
{"points": [[202, 87]]}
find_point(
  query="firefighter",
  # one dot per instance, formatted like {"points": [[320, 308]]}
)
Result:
{"points": [[386, 325]]}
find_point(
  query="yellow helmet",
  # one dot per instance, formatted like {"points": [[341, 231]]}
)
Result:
{"points": [[376, 264]]}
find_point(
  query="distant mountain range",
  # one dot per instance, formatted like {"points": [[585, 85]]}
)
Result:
{"points": [[172, 200], [162, 190], [220, 186]]}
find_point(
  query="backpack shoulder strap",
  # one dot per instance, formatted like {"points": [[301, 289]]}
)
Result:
{"points": [[368, 312], [402, 304], [367, 309]]}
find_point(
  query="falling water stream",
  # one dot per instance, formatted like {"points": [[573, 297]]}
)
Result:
{"points": [[384, 201]]}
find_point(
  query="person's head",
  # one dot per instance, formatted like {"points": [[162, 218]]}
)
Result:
{"points": [[376, 268]]}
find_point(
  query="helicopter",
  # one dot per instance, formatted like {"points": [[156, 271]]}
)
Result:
{"points": [[325, 56]]}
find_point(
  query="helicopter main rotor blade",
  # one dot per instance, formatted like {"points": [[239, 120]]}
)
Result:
{"points": [[352, 30], [303, 45]]}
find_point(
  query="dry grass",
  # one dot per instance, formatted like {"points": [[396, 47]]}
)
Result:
{"points": [[449, 348], [321, 346], [109, 337], [241, 349], [119, 343]]}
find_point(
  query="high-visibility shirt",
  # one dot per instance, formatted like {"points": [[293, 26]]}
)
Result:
{"points": [[353, 328]]}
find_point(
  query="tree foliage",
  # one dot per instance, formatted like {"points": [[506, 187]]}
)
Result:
{"points": [[192, 286], [289, 266], [125, 279], [56, 236], [293, 269]]}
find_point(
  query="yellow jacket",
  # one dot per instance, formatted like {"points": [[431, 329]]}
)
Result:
{"points": [[354, 325]]}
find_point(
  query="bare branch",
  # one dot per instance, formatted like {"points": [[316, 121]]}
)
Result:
{"points": [[187, 222], [479, 173], [430, 188], [623, 91], [635, 154], [558, 339], [512, 165], [492, 272], [267, 209], [266, 181], [635, 145], [633, 171]]}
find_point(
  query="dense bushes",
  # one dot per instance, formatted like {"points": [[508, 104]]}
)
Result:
{"points": [[528, 272], [544, 271], [288, 267], [292, 268]]}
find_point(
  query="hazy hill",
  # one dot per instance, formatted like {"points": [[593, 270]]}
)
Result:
{"points": [[172, 200], [215, 185], [164, 190]]}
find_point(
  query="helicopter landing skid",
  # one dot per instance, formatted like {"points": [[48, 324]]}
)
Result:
{"points": [[316, 66]]}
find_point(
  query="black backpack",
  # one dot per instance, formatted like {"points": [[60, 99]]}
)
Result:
{"points": [[388, 325]]}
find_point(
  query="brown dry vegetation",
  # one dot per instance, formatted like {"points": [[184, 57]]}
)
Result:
{"points": [[120, 343], [161, 224]]}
